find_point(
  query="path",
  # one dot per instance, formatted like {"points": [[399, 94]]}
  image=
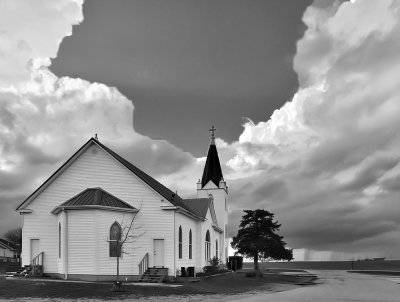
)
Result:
{"points": [[337, 286]]}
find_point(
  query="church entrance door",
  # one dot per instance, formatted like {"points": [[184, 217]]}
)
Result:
{"points": [[159, 252]]}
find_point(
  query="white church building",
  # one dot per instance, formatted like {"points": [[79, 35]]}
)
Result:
{"points": [[71, 223]]}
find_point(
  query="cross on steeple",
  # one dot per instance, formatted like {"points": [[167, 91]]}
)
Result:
{"points": [[212, 130]]}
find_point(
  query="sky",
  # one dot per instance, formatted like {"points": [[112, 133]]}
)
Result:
{"points": [[189, 64], [304, 96]]}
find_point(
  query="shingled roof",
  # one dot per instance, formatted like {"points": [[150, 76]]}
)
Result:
{"points": [[172, 197], [7, 244], [200, 206], [94, 198]]}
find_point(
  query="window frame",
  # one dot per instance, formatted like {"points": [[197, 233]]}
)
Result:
{"points": [[180, 243], [190, 244], [115, 248], [207, 246]]}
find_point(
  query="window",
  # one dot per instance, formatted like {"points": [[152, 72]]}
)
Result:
{"points": [[207, 245], [115, 240], [190, 244], [59, 240], [216, 248], [180, 242]]}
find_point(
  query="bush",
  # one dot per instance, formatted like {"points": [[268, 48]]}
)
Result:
{"points": [[215, 261], [210, 269]]}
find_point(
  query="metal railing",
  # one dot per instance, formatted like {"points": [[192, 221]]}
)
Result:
{"points": [[37, 264], [144, 264]]}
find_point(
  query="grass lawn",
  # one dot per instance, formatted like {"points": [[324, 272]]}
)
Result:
{"points": [[222, 284]]}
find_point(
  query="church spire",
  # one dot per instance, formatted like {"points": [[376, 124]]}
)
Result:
{"points": [[212, 169]]}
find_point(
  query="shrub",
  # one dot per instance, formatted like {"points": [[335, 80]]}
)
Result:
{"points": [[215, 261], [210, 269]]}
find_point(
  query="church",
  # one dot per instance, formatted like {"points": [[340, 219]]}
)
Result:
{"points": [[73, 223]]}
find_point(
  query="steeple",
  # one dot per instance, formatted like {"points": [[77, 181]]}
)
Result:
{"points": [[212, 169]]}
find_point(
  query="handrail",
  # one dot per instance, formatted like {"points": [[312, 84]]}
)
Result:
{"points": [[37, 264], [144, 264]]}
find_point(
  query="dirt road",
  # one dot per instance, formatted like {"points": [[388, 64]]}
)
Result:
{"points": [[336, 286]]}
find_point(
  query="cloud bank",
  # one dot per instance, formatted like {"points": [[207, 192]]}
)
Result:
{"points": [[44, 119], [326, 163]]}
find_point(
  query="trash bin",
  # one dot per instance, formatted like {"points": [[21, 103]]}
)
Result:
{"points": [[190, 271], [183, 271], [235, 262]]}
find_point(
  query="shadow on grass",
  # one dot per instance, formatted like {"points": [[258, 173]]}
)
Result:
{"points": [[232, 283]]}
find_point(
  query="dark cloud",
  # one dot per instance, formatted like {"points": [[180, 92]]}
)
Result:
{"points": [[188, 65]]}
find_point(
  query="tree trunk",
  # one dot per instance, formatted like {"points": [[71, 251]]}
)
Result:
{"points": [[117, 268], [256, 262], [118, 249]]}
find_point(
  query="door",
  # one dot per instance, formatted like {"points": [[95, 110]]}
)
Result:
{"points": [[35, 248], [159, 252]]}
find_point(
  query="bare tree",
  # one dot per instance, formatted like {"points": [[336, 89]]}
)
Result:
{"points": [[128, 234], [15, 237]]}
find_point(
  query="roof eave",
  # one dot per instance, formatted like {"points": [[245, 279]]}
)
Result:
{"points": [[59, 209], [24, 211], [218, 229], [181, 210]]}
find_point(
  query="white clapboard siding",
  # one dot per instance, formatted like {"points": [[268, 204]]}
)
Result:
{"points": [[128, 261], [207, 225], [96, 168], [221, 206], [81, 242], [187, 224]]}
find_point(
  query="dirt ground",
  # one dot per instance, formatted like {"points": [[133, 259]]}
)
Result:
{"points": [[233, 283]]}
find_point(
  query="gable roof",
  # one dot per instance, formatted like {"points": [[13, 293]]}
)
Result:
{"points": [[212, 169], [94, 198], [200, 206], [170, 196]]}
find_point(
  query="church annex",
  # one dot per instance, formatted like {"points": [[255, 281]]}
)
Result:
{"points": [[72, 221]]}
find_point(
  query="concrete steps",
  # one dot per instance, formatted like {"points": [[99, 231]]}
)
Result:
{"points": [[154, 275]]}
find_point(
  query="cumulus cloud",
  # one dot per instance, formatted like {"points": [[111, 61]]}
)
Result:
{"points": [[30, 34], [44, 118], [326, 163], [328, 160]]}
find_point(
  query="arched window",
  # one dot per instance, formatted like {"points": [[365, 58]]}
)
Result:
{"points": [[59, 240], [207, 245], [115, 240], [216, 248], [180, 242], [190, 244]]}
